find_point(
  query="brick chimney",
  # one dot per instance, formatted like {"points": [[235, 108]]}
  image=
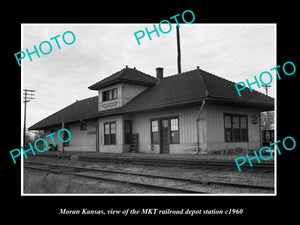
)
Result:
{"points": [[159, 73]]}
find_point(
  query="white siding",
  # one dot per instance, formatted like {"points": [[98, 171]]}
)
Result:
{"points": [[187, 130], [216, 132], [125, 93], [129, 91], [211, 131], [81, 140], [118, 147]]}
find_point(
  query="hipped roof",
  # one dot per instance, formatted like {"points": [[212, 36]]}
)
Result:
{"points": [[126, 75], [181, 90]]}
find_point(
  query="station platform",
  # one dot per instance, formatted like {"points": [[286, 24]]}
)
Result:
{"points": [[137, 155]]}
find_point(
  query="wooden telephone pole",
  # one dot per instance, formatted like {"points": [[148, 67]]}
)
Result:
{"points": [[28, 95], [178, 50], [267, 112]]}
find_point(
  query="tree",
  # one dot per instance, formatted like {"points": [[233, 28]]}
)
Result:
{"points": [[267, 120], [32, 136]]}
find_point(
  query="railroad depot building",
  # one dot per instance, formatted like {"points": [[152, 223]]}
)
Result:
{"points": [[187, 113]]}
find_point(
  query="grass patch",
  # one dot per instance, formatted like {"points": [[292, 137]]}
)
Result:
{"points": [[36, 182], [41, 183]]}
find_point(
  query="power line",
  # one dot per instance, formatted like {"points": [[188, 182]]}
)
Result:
{"points": [[220, 41], [213, 42]]}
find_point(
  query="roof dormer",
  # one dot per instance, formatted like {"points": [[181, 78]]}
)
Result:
{"points": [[119, 88]]}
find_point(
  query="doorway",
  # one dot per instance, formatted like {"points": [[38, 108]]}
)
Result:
{"points": [[164, 137]]}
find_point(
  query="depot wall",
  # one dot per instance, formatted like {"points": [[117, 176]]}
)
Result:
{"points": [[216, 131], [114, 148], [187, 130], [82, 140], [210, 124]]}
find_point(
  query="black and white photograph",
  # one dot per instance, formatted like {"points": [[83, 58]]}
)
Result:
{"points": [[162, 116], [146, 113]]}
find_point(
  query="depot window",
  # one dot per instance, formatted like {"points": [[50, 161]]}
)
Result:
{"points": [[173, 129], [154, 132], [110, 94], [110, 133], [236, 128]]}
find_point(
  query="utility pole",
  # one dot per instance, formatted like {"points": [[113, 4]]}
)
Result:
{"points": [[178, 50], [267, 113], [266, 87], [28, 95]]}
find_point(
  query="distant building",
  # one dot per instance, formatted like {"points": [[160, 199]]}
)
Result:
{"points": [[188, 113]]}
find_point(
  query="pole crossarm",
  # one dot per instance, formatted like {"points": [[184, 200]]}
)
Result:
{"points": [[266, 87]]}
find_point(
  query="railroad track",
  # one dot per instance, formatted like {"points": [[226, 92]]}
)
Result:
{"points": [[168, 184], [190, 163]]}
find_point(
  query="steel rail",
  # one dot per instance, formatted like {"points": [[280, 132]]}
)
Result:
{"points": [[137, 184], [269, 167], [195, 181]]}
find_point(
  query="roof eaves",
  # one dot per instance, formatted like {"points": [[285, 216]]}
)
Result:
{"points": [[119, 80], [252, 103], [136, 82], [164, 105], [101, 83], [97, 86]]}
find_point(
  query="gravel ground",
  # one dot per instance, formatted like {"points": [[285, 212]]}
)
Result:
{"points": [[262, 179], [41, 183]]}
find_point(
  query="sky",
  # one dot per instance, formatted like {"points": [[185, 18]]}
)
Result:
{"points": [[235, 52]]}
